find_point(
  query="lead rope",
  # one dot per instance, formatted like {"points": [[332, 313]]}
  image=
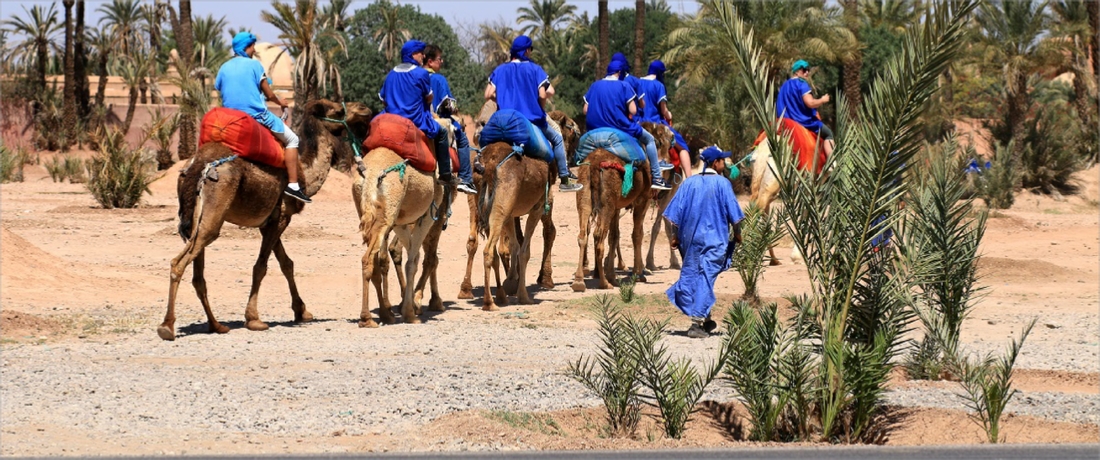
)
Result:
{"points": [[354, 141]]}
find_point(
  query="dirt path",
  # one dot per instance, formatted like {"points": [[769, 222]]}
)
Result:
{"points": [[84, 372]]}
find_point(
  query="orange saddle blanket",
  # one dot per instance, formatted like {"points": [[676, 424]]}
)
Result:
{"points": [[399, 134], [802, 144], [243, 135]]}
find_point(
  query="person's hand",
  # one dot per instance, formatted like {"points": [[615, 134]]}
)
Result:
{"points": [[825, 99], [675, 243]]}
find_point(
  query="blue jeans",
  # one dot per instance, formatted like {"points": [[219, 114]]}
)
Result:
{"points": [[650, 145], [558, 144], [442, 149], [465, 173]]}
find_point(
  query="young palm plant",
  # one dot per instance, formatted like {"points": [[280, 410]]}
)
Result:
{"points": [[761, 231], [858, 308], [988, 386], [613, 374], [942, 226]]}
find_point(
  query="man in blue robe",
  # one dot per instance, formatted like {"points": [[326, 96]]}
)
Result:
{"points": [[523, 86], [702, 211], [407, 92], [633, 82], [445, 105], [609, 103], [655, 110], [243, 85], [797, 102]]}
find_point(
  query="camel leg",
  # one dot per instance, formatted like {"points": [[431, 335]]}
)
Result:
{"points": [[514, 242], [301, 315], [198, 280], [381, 281], [549, 234], [428, 272], [491, 257], [394, 250], [522, 296], [604, 262], [270, 235], [415, 240], [372, 263], [466, 291], [506, 249], [584, 212], [610, 270], [638, 235]]}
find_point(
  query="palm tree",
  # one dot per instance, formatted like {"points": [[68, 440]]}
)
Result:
{"points": [[897, 15], [40, 28], [191, 103], [122, 18], [337, 12], [604, 44], [1073, 28], [854, 64], [211, 50], [543, 16], [639, 34], [303, 30], [152, 16], [68, 117], [133, 70], [102, 45], [391, 33], [80, 65], [1013, 29], [496, 42]]}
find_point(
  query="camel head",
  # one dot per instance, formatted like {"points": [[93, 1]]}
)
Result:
{"points": [[662, 136], [328, 117], [570, 132]]}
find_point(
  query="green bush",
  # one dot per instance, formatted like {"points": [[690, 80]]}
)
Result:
{"points": [[988, 386], [617, 380], [759, 231], [63, 167], [626, 289], [1054, 148], [160, 129], [11, 164], [118, 174], [995, 182]]}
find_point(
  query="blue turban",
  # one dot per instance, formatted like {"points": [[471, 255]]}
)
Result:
{"points": [[621, 58], [241, 41], [410, 48], [617, 68], [713, 153], [520, 46], [657, 68]]}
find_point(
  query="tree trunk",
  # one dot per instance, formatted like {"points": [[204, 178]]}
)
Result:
{"points": [[154, 46], [1093, 7], [604, 45], [104, 58], [185, 43], [852, 67], [68, 114], [80, 65], [43, 57], [1018, 104], [639, 36], [130, 110]]}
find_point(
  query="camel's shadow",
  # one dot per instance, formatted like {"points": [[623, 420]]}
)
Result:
{"points": [[204, 327]]}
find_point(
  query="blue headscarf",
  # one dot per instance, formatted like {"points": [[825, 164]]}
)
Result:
{"points": [[241, 41], [617, 68], [621, 58], [409, 48], [520, 46], [657, 68]]}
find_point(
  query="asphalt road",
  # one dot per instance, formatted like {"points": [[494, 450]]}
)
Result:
{"points": [[983, 452]]}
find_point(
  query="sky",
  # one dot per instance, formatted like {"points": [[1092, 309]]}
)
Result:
{"points": [[246, 13]]}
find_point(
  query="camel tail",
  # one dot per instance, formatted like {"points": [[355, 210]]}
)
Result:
{"points": [[487, 194], [190, 199], [374, 206]]}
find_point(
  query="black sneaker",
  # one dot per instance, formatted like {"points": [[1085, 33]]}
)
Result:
{"points": [[297, 194], [659, 184], [696, 331], [571, 176], [467, 187], [567, 185], [709, 325]]}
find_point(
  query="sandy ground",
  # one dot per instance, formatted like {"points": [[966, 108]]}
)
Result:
{"points": [[84, 372]]}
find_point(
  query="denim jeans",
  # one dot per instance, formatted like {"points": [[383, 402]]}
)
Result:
{"points": [[465, 173], [558, 144], [650, 145]]}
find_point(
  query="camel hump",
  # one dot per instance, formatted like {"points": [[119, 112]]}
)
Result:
{"points": [[243, 135], [614, 141]]}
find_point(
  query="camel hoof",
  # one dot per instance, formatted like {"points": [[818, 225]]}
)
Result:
{"points": [[775, 262], [388, 320], [651, 267], [254, 325], [304, 317], [674, 265], [603, 285], [490, 307], [219, 328], [368, 324], [436, 305], [166, 332], [578, 286], [412, 319], [511, 286], [525, 301], [502, 300], [465, 293], [639, 278], [545, 282]]}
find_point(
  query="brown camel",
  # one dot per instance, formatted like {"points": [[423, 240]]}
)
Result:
{"points": [[600, 201], [570, 135], [251, 195], [392, 197]]}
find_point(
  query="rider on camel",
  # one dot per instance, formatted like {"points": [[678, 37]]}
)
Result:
{"points": [[797, 102], [655, 110], [444, 105]]}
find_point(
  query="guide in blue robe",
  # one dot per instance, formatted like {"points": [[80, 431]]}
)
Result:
{"points": [[702, 210]]}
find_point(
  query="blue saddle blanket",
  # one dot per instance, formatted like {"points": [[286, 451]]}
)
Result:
{"points": [[512, 127], [621, 144]]}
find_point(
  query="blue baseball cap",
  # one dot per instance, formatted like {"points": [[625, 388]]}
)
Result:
{"points": [[713, 153], [799, 65]]}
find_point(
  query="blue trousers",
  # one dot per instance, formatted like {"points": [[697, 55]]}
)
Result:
{"points": [[650, 146], [558, 145], [464, 171]]}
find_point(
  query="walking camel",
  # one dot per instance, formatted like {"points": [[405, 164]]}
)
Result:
{"points": [[251, 195], [392, 197], [599, 202]]}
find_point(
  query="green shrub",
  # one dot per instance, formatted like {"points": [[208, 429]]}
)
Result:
{"points": [[118, 175], [1054, 148], [942, 232], [759, 231], [626, 289], [48, 125], [160, 129], [617, 381], [988, 386], [995, 182], [11, 164], [63, 167]]}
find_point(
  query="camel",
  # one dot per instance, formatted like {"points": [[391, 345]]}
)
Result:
{"points": [[392, 197], [599, 203], [662, 202], [570, 135], [765, 187], [251, 195]]}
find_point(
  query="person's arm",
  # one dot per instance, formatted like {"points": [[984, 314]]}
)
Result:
{"points": [[549, 91], [586, 108], [490, 92], [673, 239], [429, 98], [665, 113], [632, 108], [270, 95], [813, 102], [737, 232]]}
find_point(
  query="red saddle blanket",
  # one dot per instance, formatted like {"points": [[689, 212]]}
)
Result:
{"points": [[399, 134], [243, 135], [802, 144]]}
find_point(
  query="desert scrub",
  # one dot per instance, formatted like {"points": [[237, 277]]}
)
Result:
{"points": [[626, 289], [159, 130], [760, 231], [62, 167], [943, 228], [613, 372], [118, 174], [987, 386], [11, 164], [995, 181]]}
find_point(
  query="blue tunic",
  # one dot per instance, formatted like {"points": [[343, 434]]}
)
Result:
{"points": [[441, 90], [702, 211], [789, 104], [517, 85], [654, 93], [405, 91], [608, 107], [635, 84], [238, 83]]}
